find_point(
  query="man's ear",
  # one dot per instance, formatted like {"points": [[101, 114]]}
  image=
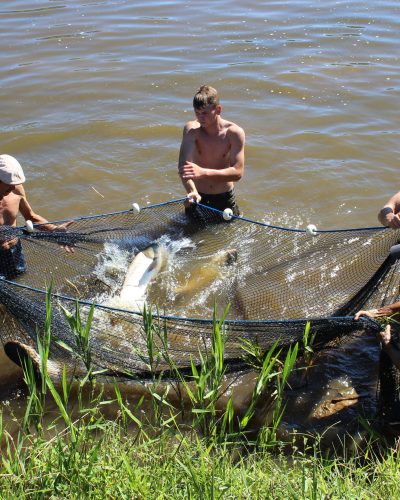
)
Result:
{"points": [[218, 109]]}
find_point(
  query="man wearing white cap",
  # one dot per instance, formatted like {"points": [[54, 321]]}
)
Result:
{"points": [[12, 201]]}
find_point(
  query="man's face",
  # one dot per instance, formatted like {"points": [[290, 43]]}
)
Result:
{"points": [[5, 189], [207, 115]]}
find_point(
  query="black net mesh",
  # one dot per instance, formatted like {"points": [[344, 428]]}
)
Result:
{"points": [[389, 383], [274, 280]]}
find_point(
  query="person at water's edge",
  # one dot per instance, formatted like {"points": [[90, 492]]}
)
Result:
{"points": [[389, 368], [13, 200], [385, 336], [211, 157], [388, 216], [389, 365]]}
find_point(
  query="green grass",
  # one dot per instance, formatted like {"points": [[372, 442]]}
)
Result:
{"points": [[111, 464], [164, 449]]}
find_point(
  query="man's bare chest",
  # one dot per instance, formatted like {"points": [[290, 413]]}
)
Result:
{"points": [[217, 148], [9, 210]]}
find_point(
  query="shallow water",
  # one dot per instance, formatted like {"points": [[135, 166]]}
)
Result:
{"points": [[94, 96]]}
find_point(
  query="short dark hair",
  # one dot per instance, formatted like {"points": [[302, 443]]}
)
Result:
{"points": [[205, 96]]}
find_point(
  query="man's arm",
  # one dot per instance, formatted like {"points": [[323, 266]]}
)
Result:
{"points": [[385, 336], [389, 214], [384, 311], [186, 155], [28, 214], [387, 346], [232, 173]]}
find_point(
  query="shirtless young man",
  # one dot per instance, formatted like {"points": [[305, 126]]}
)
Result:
{"points": [[211, 157], [12, 201]]}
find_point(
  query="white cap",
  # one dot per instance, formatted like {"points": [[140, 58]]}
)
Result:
{"points": [[11, 171]]}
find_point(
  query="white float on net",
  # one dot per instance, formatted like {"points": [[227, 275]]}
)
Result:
{"points": [[29, 226], [227, 214], [311, 230], [135, 208]]}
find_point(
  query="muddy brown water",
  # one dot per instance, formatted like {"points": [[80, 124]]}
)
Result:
{"points": [[94, 96]]}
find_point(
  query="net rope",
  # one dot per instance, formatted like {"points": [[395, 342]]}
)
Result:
{"points": [[274, 278]]}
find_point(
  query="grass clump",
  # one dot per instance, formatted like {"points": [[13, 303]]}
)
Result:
{"points": [[189, 446], [118, 466]]}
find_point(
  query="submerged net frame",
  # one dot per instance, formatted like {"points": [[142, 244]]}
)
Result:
{"points": [[280, 279]]}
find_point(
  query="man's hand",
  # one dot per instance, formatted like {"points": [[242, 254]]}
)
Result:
{"points": [[384, 336], [191, 171], [192, 197], [385, 311], [392, 220], [388, 217], [7, 244], [63, 228], [372, 313]]}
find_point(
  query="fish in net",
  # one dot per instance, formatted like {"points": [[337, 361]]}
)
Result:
{"points": [[274, 279]]}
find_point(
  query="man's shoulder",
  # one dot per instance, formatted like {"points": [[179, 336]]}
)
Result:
{"points": [[190, 126], [19, 190], [235, 130]]}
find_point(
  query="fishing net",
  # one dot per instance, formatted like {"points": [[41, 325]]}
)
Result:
{"points": [[274, 279], [389, 383]]}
